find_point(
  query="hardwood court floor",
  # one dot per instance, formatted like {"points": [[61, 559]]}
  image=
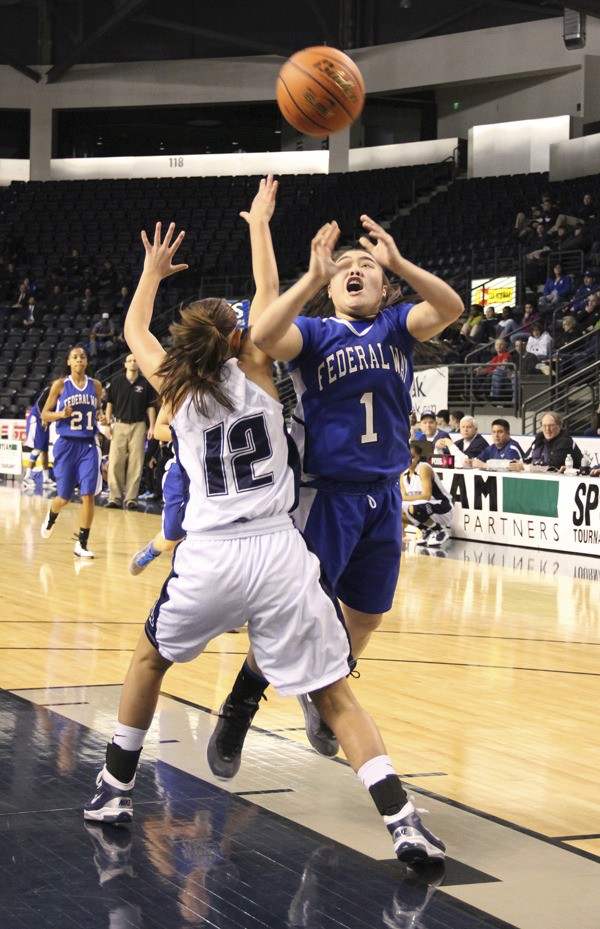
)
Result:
{"points": [[484, 679]]}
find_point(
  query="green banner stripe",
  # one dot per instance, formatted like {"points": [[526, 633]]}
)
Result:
{"points": [[534, 497]]}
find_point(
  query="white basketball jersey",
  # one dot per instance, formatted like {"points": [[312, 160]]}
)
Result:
{"points": [[236, 462]]}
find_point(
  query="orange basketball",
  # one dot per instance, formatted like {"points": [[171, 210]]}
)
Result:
{"points": [[320, 91]]}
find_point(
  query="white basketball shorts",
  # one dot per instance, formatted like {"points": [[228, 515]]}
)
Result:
{"points": [[265, 576]]}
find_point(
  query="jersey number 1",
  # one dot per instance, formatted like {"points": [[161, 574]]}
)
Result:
{"points": [[369, 435]]}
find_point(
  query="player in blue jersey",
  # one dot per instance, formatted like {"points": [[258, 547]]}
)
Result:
{"points": [[353, 372], [73, 404], [227, 423], [37, 437], [174, 488]]}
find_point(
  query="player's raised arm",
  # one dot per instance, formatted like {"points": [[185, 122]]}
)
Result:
{"points": [[158, 264], [264, 264], [274, 332], [441, 304]]}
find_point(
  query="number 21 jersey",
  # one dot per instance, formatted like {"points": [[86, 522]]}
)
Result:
{"points": [[84, 403]]}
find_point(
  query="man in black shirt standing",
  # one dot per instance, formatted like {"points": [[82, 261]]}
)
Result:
{"points": [[130, 403]]}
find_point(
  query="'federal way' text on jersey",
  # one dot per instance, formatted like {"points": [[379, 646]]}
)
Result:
{"points": [[236, 462], [84, 402], [353, 380]]}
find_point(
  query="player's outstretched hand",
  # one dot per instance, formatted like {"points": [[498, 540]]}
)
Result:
{"points": [[322, 266], [384, 250], [263, 205], [159, 255]]}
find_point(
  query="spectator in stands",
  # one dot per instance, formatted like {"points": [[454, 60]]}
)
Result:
{"points": [[102, 337], [499, 375], [525, 224], [122, 302], [589, 285], [470, 444], [57, 300], [485, 330], [28, 313], [590, 314], [550, 446], [531, 315], [557, 289], [475, 316], [537, 351], [454, 420], [578, 239], [107, 278], [20, 301], [429, 428], [442, 418], [88, 304], [507, 324], [571, 331], [582, 214], [503, 447]]}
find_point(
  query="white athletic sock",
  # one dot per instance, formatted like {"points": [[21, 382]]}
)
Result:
{"points": [[128, 738], [375, 770]]}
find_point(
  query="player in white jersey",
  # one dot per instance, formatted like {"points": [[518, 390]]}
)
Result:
{"points": [[425, 501], [242, 555]]}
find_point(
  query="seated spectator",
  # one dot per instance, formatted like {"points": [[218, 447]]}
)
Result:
{"points": [[578, 238], [581, 214], [454, 420], [594, 429], [550, 447], [507, 324], [88, 304], [475, 316], [503, 447], [425, 501], [571, 331], [537, 351], [21, 297], [539, 243], [590, 314], [495, 378], [470, 444], [28, 313], [57, 300], [557, 290], [587, 287], [485, 330], [102, 336], [122, 302], [442, 418], [429, 429], [531, 315]]}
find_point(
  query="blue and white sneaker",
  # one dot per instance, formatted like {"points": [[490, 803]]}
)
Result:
{"points": [[112, 802], [413, 843], [142, 559]]}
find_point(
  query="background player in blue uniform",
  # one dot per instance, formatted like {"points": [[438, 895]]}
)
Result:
{"points": [[73, 404], [352, 372], [37, 437], [174, 488]]}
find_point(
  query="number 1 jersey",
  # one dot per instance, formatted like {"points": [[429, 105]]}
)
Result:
{"points": [[353, 380]]}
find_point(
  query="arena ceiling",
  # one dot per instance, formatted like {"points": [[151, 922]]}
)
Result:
{"points": [[58, 34]]}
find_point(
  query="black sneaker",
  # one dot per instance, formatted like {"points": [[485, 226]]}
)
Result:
{"points": [[224, 749]]}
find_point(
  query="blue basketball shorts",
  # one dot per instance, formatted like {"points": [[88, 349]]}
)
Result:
{"points": [[174, 502], [76, 463], [36, 436], [358, 539]]}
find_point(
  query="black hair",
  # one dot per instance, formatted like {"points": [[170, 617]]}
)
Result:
{"points": [[321, 304], [501, 422]]}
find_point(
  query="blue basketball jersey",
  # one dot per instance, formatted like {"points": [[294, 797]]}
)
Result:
{"points": [[84, 401], [353, 380]]}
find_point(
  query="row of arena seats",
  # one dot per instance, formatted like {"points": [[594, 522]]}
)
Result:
{"points": [[44, 221]]}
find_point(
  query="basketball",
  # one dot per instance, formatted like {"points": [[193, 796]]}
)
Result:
{"points": [[320, 91]]}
